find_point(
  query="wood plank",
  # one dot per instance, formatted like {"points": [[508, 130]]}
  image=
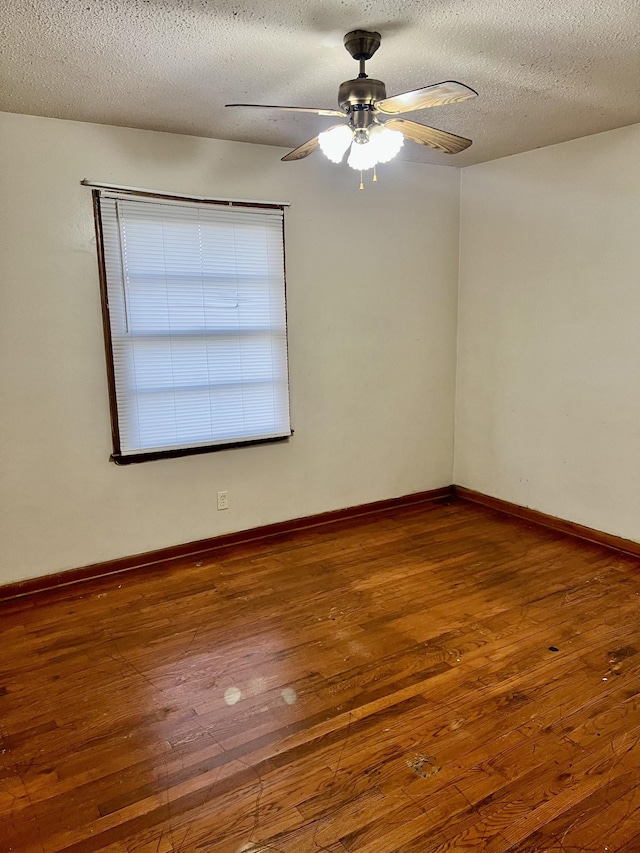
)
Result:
{"points": [[436, 677], [551, 521], [204, 548]]}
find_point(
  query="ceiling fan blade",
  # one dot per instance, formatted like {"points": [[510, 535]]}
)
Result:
{"points": [[291, 109], [449, 92], [431, 136], [302, 150]]}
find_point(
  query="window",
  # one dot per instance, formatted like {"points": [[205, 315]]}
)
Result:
{"points": [[195, 324]]}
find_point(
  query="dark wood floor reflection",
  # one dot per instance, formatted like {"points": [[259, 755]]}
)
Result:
{"points": [[438, 678]]}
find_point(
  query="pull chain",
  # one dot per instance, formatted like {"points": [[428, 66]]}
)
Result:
{"points": [[375, 175], [361, 184]]}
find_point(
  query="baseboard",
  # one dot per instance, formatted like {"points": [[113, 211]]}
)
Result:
{"points": [[205, 547], [627, 546]]}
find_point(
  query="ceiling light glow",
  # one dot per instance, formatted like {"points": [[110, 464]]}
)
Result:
{"points": [[383, 145], [334, 142], [387, 143]]}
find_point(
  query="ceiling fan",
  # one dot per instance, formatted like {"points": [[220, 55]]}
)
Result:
{"points": [[370, 130]]}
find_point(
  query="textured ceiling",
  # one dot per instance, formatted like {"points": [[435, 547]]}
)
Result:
{"points": [[546, 70]]}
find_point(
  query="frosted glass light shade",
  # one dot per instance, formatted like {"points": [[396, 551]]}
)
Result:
{"points": [[362, 156], [386, 143], [334, 142], [382, 146]]}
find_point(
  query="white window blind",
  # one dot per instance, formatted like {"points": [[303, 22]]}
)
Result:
{"points": [[196, 310]]}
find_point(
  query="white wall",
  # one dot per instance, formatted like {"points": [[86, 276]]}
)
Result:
{"points": [[372, 289], [548, 386]]}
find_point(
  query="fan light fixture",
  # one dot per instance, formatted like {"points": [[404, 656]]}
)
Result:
{"points": [[364, 104], [369, 147]]}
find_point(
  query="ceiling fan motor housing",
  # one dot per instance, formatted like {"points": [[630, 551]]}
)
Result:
{"points": [[359, 95]]}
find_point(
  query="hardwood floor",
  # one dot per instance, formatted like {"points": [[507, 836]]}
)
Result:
{"points": [[437, 678]]}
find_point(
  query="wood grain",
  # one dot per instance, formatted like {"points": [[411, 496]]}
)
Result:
{"points": [[381, 685], [204, 548], [628, 546]]}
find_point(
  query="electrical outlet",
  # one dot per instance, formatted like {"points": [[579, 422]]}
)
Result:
{"points": [[223, 500]]}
